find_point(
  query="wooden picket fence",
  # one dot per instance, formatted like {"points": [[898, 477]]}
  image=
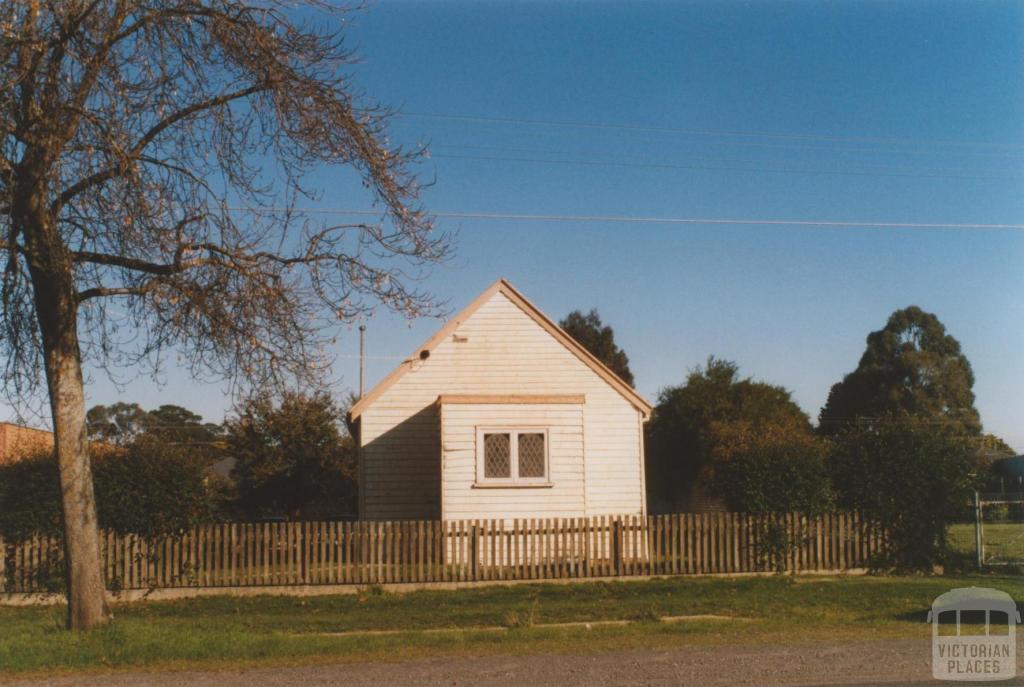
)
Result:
{"points": [[314, 553]]}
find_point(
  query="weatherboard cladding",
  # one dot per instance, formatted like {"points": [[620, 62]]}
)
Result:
{"points": [[499, 349]]}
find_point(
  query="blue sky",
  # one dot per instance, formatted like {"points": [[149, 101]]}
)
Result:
{"points": [[868, 111]]}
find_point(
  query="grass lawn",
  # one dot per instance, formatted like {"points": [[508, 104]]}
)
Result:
{"points": [[1004, 541], [228, 632]]}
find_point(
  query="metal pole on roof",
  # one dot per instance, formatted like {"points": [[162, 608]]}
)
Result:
{"points": [[362, 357]]}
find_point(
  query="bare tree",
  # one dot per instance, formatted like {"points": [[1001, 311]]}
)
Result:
{"points": [[153, 154]]}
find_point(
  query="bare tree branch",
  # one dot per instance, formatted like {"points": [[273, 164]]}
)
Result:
{"points": [[131, 134]]}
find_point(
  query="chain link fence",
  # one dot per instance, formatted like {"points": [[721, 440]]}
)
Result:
{"points": [[994, 534]]}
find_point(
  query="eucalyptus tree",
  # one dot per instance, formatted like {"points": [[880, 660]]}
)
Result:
{"points": [[912, 372], [154, 157]]}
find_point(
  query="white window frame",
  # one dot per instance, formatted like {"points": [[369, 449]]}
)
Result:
{"points": [[514, 480]]}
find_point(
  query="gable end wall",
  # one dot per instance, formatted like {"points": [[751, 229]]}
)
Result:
{"points": [[504, 352]]}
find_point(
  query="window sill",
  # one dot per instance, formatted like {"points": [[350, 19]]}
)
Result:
{"points": [[512, 485]]}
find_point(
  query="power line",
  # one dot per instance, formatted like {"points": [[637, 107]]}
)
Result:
{"points": [[769, 170], [831, 148], [651, 220], [704, 132], [859, 149], [866, 167]]}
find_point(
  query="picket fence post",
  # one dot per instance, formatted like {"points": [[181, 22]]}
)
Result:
{"points": [[617, 546], [474, 551]]}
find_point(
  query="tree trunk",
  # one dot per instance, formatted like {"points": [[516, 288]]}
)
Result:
{"points": [[56, 304], [87, 606]]}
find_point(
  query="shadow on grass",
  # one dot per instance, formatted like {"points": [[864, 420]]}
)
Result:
{"points": [[921, 615]]}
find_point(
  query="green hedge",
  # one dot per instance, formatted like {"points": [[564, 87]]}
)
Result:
{"points": [[150, 488], [915, 481]]}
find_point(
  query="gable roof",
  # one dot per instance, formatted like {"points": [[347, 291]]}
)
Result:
{"points": [[503, 287]]}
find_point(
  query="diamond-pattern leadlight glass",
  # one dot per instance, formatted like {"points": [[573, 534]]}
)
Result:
{"points": [[497, 455], [531, 455]]}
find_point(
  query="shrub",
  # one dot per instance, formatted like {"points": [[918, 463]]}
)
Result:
{"points": [[777, 478], [770, 478], [775, 545], [291, 457], [912, 481], [149, 488], [30, 497], [702, 425], [152, 489]]}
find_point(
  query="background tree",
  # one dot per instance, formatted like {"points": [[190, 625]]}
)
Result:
{"points": [[118, 423], [701, 425], [992, 448], [123, 423], [153, 155], [292, 459], [994, 445], [995, 459], [599, 339], [911, 370], [180, 426], [913, 480]]}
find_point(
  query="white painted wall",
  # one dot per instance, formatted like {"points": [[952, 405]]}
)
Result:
{"points": [[504, 352], [463, 499]]}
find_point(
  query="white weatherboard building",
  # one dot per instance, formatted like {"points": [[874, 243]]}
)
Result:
{"points": [[500, 415]]}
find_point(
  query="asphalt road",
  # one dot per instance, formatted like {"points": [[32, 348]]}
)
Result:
{"points": [[903, 662]]}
